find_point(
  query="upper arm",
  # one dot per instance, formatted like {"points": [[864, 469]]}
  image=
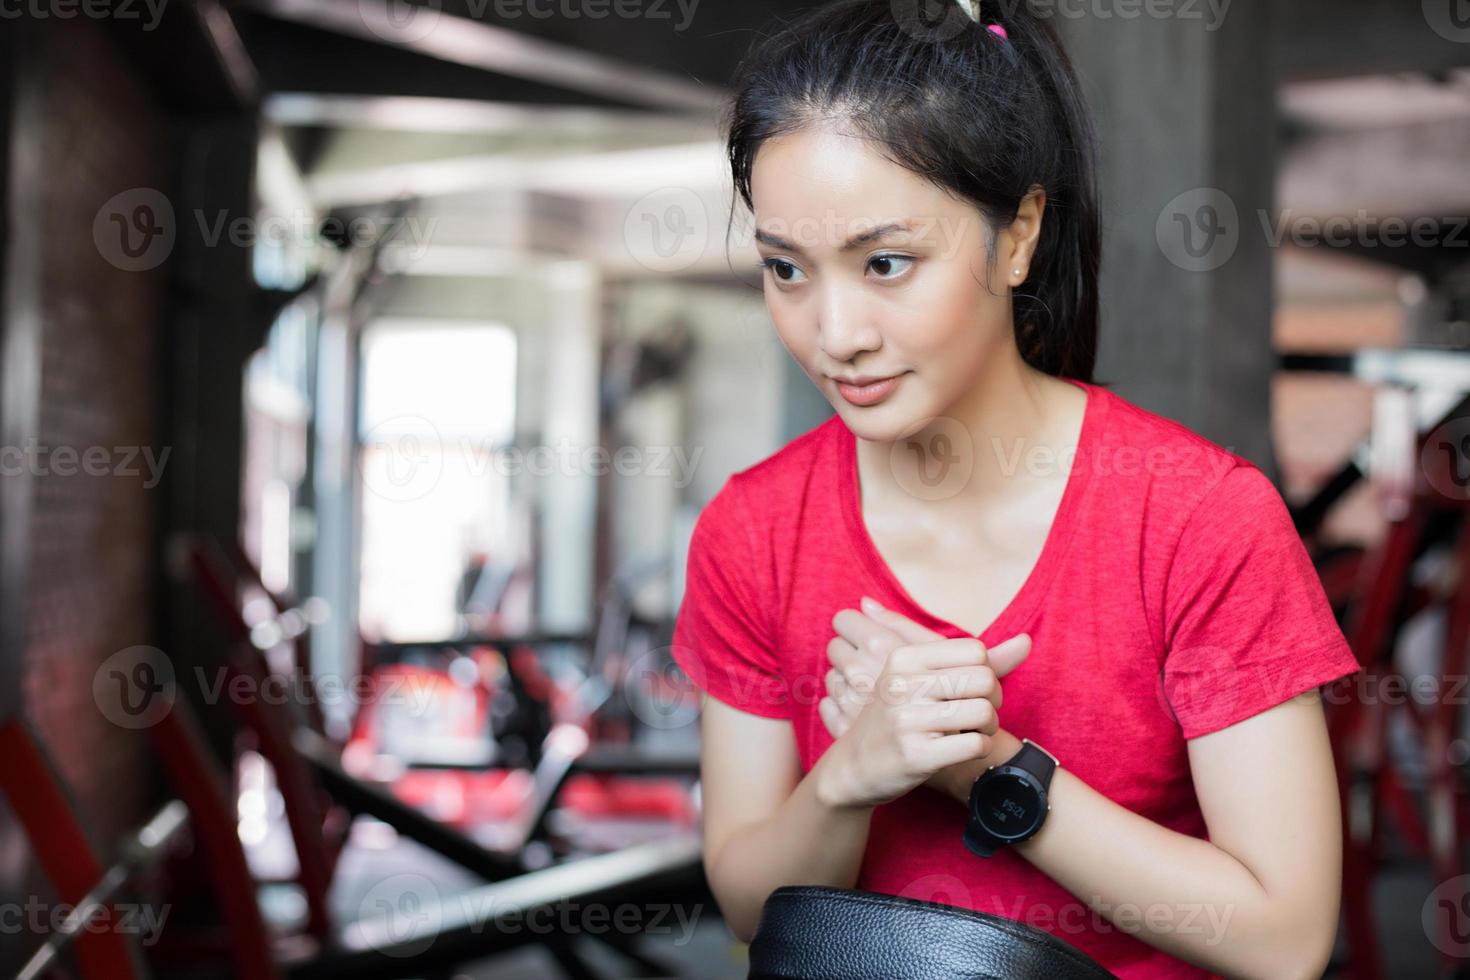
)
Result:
{"points": [[748, 767], [726, 643], [1267, 788], [1251, 638]]}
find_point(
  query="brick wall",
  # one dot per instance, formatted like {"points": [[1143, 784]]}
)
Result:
{"points": [[91, 570]]}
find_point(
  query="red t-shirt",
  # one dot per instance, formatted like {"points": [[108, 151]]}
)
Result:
{"points": [[1172, 598]]}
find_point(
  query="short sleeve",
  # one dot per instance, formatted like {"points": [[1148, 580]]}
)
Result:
{"points": [[1247, 624], [722, 638]]}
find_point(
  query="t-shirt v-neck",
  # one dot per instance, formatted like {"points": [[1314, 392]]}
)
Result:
{"points": [[891, 592]]}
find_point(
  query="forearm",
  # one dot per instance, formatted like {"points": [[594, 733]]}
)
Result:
{"points": [[1178, 893], [809, 840]]}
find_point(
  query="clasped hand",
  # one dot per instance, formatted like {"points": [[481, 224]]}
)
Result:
{"points": [[905, 703]]}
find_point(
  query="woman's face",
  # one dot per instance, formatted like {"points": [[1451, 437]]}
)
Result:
{"points": [[910, 301]]}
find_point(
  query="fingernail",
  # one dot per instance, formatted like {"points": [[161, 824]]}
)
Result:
{"points": [[869, 604]]}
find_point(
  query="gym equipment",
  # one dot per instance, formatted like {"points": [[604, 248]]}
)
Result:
{"points": [[434, 939], [321, 797], [1420, 564], [599, 774], [811, 932], [72, 865]]}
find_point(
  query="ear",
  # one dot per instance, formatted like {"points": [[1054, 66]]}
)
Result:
{"points": [[1020, 240]]}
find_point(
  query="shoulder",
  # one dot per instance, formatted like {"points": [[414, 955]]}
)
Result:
{"points": [[1208, 510], [1172, 469]]}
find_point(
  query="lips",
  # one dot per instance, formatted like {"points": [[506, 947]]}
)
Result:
{"points": [[868, 390]]}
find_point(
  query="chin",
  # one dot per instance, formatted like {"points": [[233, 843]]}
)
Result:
{"points": [[881, 423]]}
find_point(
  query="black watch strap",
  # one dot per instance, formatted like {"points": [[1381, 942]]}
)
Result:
{"points": [[1032, 758]]}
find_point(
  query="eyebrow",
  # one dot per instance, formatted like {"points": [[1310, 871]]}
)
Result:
{"points": [[856, 241]]}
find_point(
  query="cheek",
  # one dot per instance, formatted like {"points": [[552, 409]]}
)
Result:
{"points": [[945, 324], [959, 314], [799, 341]]}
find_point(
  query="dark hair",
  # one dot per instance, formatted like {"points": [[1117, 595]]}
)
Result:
{"points": [[983, 116]]}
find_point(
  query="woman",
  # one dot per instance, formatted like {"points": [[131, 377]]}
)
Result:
{"points": [[979, 516]]}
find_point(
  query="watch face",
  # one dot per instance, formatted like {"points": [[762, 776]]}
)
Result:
{"points": [[1008, 806]]}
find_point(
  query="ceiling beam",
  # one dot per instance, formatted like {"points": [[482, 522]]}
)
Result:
{"points": [[1341, 38], [424, 114], [491, 47]]}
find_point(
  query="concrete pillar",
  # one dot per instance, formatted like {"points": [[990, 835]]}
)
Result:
{"points": [[22, 168], [569, 393], [1185, 109]]}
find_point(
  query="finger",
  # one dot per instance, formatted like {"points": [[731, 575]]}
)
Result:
{"points": [[832, 717], [910, 631], [850, 698], [975, 714], [1006, 657], [840, 653], [964, 651], [836, 685], [960, 684], [951, 750], [865, 633], [854, 663], [862, 688]]}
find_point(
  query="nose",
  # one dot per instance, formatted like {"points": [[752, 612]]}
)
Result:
{"points": [[843, 325]]}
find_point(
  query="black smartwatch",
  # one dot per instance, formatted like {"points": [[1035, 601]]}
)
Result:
{"points": [[1008, 802]]}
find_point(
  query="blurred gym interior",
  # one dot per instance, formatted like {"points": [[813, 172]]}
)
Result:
{"points": [[365, 367]]}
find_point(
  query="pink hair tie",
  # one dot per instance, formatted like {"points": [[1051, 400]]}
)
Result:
{"points": [[997, 30]]}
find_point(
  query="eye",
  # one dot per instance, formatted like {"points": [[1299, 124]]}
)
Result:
{"points": [[886, 260], [777, 266]]}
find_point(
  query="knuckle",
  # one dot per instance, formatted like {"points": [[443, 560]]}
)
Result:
{"points": [[896, 687], [986, 712]]}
